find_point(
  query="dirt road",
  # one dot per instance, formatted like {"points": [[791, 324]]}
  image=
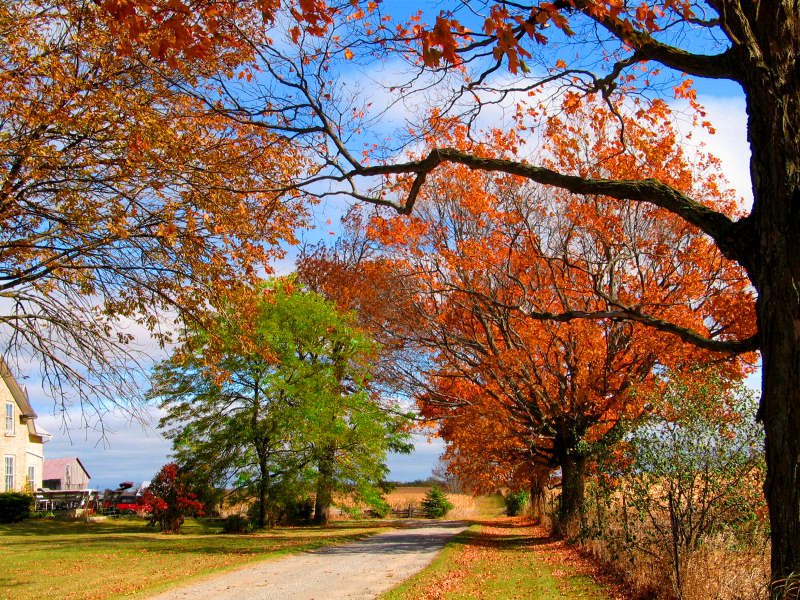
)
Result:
{"points": [[358, 570]]}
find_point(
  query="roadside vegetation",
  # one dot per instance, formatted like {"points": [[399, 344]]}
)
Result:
{"points": [[125, 558], [677, 508]]}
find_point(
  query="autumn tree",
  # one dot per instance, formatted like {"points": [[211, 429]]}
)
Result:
{"points": [[125, 203], [518, 395], [755, 45], [287, 400], [171, 498], [480, 54]]}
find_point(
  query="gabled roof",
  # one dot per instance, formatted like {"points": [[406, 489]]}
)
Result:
{"points": [[54, 467], [20, 396]]}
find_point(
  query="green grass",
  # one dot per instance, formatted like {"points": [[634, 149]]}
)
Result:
{"points": [[124, 558], [501, 563], [490, 507], [445, 562]]}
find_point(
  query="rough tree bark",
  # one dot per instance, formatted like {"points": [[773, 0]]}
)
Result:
{"points": [[324, 499], [263, 488], [570, 508], [772, 84], [538, 500]]}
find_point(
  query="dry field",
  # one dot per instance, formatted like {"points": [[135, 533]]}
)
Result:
{"points": [[465, 506], [723, 566]]}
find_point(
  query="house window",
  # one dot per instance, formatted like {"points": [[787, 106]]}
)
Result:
{"points": [[32, 477], [67, 477], [9, 418], [9, 471]]}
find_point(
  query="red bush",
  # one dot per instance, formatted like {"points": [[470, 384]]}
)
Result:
{"points": [[170, 499]]}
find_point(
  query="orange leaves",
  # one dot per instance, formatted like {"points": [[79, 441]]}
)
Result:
{"points": [[441, 41], [499, 25], [177, 29], [152, 194], [685, 90], [497, 262]]}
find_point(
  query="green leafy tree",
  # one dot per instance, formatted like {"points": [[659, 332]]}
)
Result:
{"points": [[285, 406]]}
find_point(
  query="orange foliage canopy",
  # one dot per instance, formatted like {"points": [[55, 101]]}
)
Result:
{"points": [[176, 29], [122, 195], [536, 310]]}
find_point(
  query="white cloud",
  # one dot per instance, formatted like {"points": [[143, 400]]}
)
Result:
{"points": [[419, 464], [128, 450], [729, 142]]}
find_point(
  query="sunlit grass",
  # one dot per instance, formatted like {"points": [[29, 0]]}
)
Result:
{"points": [[124, 558], [502, 560]]}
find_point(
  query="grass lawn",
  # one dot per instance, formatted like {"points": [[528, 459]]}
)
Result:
{"points": [[505, 559], [124, 558]]}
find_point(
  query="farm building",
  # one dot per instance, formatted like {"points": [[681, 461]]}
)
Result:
{"points": [[65, 474], [21, 441]]}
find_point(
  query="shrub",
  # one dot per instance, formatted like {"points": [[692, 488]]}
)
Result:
{"points": [[15, 507], [284, 507], [170, 499], [435, 504], [381, 509], [516, 503], [684, 480], [299, 511], [237, 524]]}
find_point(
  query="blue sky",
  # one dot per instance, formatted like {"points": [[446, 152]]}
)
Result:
{"points": [[134, 450]]}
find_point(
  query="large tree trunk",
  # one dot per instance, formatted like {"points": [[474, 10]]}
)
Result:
{"points": [[538, 500], [263, 490], [324, 500], [772, 85], [570, 509], [779, 412]]}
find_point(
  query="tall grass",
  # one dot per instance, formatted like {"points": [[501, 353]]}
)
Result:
{"points": [[465, 506], [731, 563]]}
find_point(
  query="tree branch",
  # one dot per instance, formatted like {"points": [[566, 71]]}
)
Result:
{"points": [[750, 344], [732, 237]]}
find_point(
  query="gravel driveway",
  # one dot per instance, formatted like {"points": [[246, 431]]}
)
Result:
{"points": [[358, 570]]}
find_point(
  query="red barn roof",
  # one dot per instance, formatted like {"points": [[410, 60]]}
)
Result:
{"points": [[54, 467]]}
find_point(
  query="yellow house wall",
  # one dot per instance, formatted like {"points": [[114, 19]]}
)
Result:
{"points": [[27, 450]]}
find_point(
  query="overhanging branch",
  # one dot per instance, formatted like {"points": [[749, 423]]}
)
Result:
{"points": [[750, 344], [729, 235]]}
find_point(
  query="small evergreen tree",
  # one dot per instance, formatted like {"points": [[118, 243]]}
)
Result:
{"points": [[435, 504]]}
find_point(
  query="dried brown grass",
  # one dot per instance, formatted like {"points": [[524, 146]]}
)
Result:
{"points": [[722, 570], [722, 567], [465, 506]]}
